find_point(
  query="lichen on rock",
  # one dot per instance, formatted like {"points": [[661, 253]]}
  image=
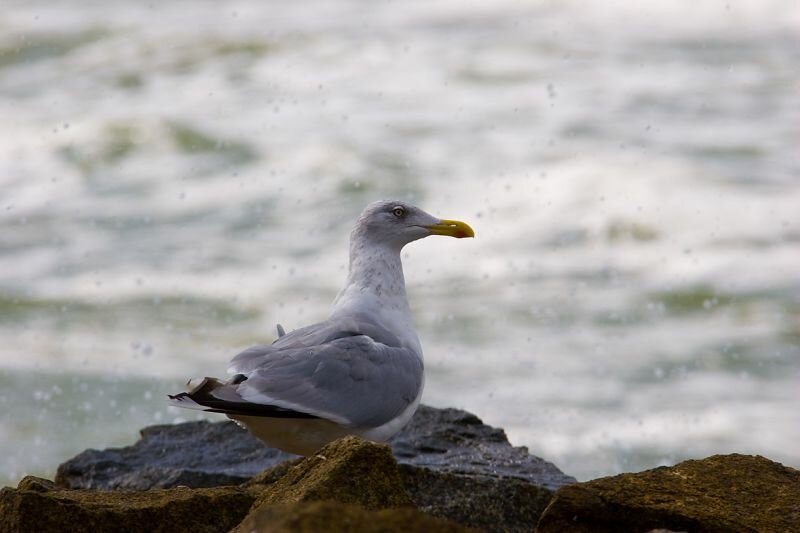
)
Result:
{"points": [[314, 517], [349, 470], [209, 510], [722, 493]]}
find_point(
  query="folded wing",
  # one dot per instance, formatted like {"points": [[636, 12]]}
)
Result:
{"points": [[351, 372]]}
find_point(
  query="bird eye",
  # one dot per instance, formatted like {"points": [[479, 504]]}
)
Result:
{"points": [[399, 212]]}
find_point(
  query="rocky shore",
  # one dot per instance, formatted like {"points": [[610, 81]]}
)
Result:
{"points": [[447, 471]]}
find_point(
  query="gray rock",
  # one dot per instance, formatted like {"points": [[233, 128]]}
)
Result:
{"points": [[456, 441], [192, 454], [207, 454], [486, 503]]}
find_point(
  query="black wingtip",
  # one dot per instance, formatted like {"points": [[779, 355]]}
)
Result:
{"points": [[180, 396], [206, 402]]}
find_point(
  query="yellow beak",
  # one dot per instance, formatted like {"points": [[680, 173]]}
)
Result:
{"points": [[451, 228]]}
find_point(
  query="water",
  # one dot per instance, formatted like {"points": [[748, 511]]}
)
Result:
{"points": [[178, 178]]}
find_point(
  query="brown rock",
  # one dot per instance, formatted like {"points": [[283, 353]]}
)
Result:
{"points": [[36, 484], [197, 510], [271, 475], [349, 470], [323, 516], [722, 493]]}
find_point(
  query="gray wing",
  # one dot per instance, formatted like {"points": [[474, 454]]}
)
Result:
{"points": [[352, 371], [310, 336]]}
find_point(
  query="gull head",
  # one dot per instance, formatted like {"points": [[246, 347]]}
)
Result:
{"points": [[396, 223]]}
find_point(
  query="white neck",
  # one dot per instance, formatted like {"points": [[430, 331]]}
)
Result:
{"points": [[375, 285]]}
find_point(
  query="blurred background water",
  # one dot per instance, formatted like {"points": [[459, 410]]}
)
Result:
{"points": [[179, 176]]}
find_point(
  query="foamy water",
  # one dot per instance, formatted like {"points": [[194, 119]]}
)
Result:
{"points": [[177, 179]]}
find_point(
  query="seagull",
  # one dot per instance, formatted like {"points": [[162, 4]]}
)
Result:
{"points": [[360, 372]]}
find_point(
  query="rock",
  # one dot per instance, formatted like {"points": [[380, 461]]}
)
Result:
{"points": [[36, 484], [455, 441], [357, 475], [315, 517], [454, 467], [349, 470], [487, 503], [192, 454], [722, 493], [271, 475], [349, 485], [203, 454], [208, 510]]}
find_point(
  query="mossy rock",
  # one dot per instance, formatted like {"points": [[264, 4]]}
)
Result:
{"points": [[322, 516], [722, 493], [349, 470], [269, 476], [36, 484], [35, 506]]}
